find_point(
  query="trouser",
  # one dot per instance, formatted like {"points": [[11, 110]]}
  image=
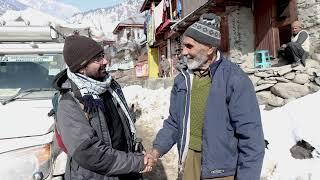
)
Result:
{"points": [[192, 168], [293, 53]]}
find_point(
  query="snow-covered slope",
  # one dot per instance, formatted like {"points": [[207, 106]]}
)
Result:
{"points": [[11, 5], [35, 17], [106, 19], [52, 7]]}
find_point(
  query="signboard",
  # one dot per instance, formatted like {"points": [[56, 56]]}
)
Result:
{"points": [[22, 58], [142, 70]]}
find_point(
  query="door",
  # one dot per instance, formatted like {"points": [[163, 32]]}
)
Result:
{"points": [[266, 36]]}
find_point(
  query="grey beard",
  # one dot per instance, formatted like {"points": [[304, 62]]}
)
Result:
{"points": [[195, 63]]}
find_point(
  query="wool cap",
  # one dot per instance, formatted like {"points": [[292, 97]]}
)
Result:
{"points": [[206, 30], [79, 50]]}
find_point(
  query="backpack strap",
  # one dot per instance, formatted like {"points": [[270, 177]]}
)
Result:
{"points": [[55, 101], [79, 103]]}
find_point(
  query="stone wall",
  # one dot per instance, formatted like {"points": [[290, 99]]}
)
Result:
{"points": [[241, 34], [278, 85], [309, 15]]}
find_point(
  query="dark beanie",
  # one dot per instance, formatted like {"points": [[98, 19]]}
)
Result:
{"points": [[206, 30], [79, 50]]}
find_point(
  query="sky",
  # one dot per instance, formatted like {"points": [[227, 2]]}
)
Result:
{"points": [[85, 5]]}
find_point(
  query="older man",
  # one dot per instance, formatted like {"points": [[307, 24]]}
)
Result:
{"points": [[214, 115], [297, 50]]}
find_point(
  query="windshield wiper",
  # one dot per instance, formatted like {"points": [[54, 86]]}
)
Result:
{"points": [[26, 91]]}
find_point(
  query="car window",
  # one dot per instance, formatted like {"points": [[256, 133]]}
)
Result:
{"points": [[29, 71]]}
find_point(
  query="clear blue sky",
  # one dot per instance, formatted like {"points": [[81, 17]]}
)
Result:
{"points": [[85, 5]]}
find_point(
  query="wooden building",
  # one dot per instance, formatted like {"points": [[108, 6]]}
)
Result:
{"points": [[246, 25]]}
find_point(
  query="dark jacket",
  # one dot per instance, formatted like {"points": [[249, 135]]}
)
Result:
{"points": [[88, 142], [233, 142]]}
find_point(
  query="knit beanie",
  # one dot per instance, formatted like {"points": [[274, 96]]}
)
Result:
{"points": [[79, 50], [206, 30]]}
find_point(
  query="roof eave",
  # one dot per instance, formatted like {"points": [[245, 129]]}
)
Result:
{"points": [[185, 22]]}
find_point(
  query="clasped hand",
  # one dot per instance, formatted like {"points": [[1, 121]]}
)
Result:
{"points": [[150, 160]]}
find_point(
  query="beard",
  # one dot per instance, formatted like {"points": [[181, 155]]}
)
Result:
{"points": [[196, 62], [99, 74]]}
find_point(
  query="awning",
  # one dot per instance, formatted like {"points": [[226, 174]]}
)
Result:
{"points": [[185, 22], [147, 4], [165, 26]]}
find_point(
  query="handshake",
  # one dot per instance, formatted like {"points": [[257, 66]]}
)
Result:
{"points": [[150, 160]]}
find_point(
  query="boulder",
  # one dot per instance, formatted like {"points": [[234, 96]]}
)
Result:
{"points": [[263, 97], [301, 78], [290, 90]]}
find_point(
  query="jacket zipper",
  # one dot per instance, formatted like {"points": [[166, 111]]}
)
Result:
{"points": [[183, 125]]}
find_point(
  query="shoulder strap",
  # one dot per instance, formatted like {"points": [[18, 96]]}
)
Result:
{"points": [[79, 103]]}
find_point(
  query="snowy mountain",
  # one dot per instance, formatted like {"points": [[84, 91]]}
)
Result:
{"points": [[52, 7], [106, 19], [11, 5], [34, 16]]}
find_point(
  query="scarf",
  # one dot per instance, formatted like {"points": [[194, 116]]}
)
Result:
{"points": [[90, 90]]}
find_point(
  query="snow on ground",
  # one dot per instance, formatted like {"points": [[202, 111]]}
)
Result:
{"points": [[154, 105], [283, 127]]}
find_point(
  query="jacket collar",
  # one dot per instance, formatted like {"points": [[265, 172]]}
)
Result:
{"points": [[214, 66]]}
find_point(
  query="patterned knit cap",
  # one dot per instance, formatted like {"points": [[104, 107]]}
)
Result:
{"points": [[206, 30]]}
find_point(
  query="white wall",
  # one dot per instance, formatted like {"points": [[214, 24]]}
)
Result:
{"points": [[309, 15]]}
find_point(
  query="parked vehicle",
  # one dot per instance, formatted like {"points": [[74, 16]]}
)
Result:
{"points": [[30, 57]]}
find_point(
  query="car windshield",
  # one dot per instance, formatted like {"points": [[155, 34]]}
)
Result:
{"points": [[23, 72]]}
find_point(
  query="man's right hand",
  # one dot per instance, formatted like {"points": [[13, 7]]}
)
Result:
{"points": [[284, 45], [149, 162]]}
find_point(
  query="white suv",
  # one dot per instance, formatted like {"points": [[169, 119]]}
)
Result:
{"points": [[27, 146]]}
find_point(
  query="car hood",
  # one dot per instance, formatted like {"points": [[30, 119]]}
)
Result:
{"points": [[25, 118]]}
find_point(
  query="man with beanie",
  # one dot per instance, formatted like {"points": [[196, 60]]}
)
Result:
{"points": [[214, 116], [93, 118]]}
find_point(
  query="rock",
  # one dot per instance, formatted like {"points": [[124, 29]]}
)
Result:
{"points": [[281, 79], [263, 87], [284, 71], [270, 78], [299, 68], [276, 101], [263, 97], [302, 150], [312, 71], [310, 63], [269, 71], [301, 78], [254, 79], [316, 56], [249, 70], [290, 90], [290, 76], [314, 87], [317, 80], [317, 74], [311, 78], [262, 81], [263, 74], [289, 100]]}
